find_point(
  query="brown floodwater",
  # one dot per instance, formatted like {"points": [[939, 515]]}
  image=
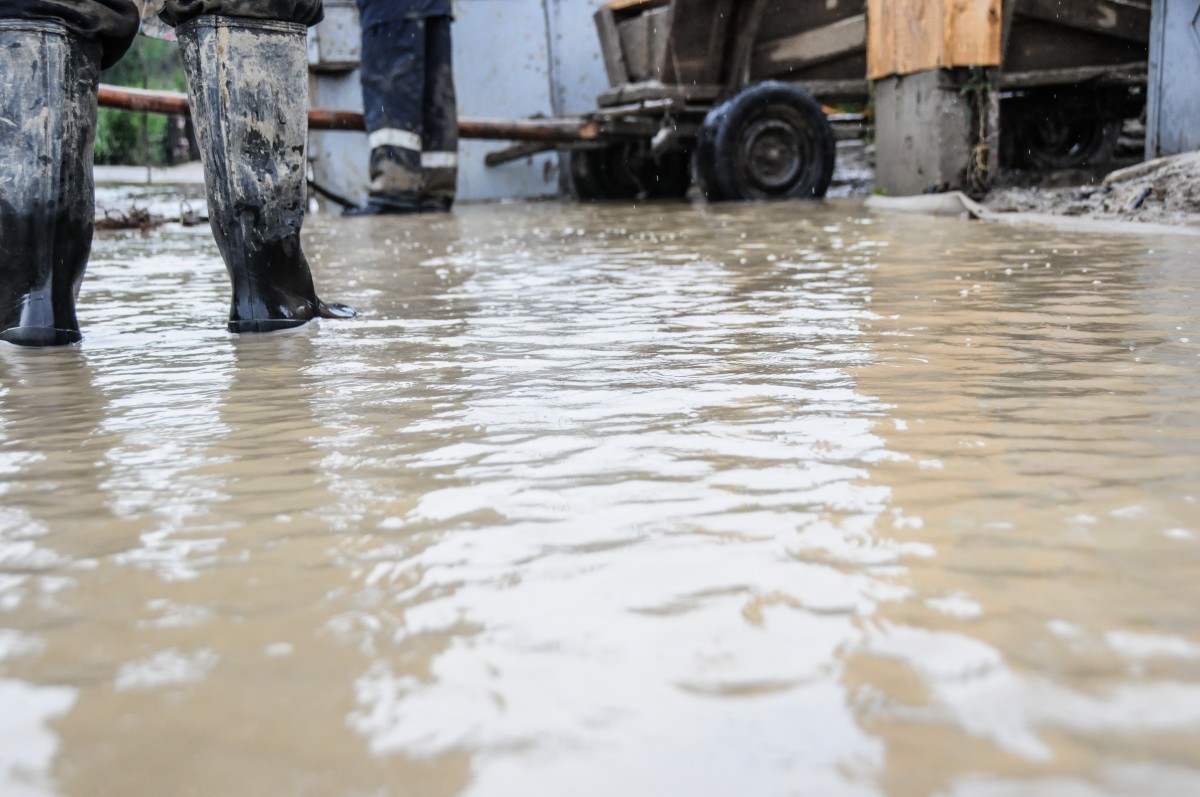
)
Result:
{"points": [[785, 499]]}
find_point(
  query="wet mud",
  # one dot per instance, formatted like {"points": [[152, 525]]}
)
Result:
{"points": [[1160, 191], [761, 499]]}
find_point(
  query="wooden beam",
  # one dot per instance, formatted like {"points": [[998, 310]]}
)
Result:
{"points": [[696, 47], [811, 47], [1124, 19], [971, 33], [881, 38], [610, 47], [748, 22], [909, 36], [1121, 74], [1007, 12], [655, 90], [722, 21]]}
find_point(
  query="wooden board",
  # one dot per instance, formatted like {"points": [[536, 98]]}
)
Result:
{"points": [[610, 47], [800, 50], [907, 36], [697, 40], [971, 33], [1123, 19]]}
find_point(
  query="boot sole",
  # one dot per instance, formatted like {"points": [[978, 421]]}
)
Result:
{"points": [[40, 337], [261, 325]]}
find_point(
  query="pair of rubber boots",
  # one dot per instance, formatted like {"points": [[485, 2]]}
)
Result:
{"points": [[246, 80]]}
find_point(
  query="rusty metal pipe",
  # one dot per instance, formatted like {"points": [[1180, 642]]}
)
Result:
{"points": [[561, 130]]}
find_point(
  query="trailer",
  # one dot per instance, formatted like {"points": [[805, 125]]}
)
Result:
{"points": [[706, 81]]}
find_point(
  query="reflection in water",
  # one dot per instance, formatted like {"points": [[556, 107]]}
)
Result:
{"points": [[1036, 390], [598, 500]]}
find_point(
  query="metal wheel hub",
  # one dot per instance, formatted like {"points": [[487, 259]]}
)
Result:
{"points": [[773, 154]]}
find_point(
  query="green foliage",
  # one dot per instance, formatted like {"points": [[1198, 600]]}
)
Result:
{"points": [[129, 137]]}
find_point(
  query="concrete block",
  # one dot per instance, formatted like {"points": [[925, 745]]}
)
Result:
{"points": [[932, 135]]}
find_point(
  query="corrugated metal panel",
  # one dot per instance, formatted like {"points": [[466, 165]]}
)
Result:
{"points": [[502, 69], [1173, 112]]}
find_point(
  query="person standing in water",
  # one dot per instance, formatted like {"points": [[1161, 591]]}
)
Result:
{"points": [[246, 68], [409, 106]]}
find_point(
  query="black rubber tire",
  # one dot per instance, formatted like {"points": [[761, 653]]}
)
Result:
{"points": [[627, 170], [667, 177], [601, 173], [1059, 136], [771, 140]]}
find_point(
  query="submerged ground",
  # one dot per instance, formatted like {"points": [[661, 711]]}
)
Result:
{"points": [[785, 499]]}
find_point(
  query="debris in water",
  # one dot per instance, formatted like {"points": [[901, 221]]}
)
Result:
{"points": [[134, 218]]}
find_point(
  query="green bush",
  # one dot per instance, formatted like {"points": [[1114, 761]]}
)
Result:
{"points": [[128, 137]]}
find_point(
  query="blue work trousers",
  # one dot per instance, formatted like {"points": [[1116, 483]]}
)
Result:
{"points": [[409, 103]]}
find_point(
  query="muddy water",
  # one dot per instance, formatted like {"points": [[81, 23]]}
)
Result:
{"points": [[758, 500]]}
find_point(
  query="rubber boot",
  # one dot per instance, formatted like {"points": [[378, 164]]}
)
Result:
{"points": [[247, 80], [48, 81], [395, 183]]}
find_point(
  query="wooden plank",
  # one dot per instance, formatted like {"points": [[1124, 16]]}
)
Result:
{"points": [[1124, 19], [908, 36], [918, 35], [811, 47], [635, 44], [1006, 23], [835, 88], [1122, 74], [722, 21], [881, 39], [654, 90], [971, 33], [659, 24], [610, 47], [748, 24], [1036, 44], [696, 43]]}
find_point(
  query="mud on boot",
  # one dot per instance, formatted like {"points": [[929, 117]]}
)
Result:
{"points": [[48, 81], [247, 82]]}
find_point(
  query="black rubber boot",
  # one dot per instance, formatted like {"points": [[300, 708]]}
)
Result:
{"points": [[248, 80], [48, 82]]}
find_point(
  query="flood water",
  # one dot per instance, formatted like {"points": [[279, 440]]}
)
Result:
{"points": [[757, 500]]}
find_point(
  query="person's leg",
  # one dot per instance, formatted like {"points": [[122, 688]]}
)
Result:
{"points": [[439, 140], [247, 72], [50, 59], [110, 24], [247, 83], [392, 64]]}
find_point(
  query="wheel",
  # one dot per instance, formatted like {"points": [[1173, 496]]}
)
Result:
{"points": [[668, 176], [602, 173], [627, 170], [1061, 135], [769, 141]]}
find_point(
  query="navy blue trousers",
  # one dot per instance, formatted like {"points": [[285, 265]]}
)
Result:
{"points": [[409, 102]]}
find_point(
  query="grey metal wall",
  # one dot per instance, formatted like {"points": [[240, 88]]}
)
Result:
{"points": [[1173, 109], [513, 59]]}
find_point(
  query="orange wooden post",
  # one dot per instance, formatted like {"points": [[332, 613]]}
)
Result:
{"points": [[934, 64]]}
